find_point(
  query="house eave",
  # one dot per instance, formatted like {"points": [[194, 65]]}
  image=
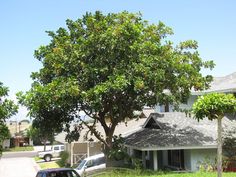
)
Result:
{"points": [[230, 90], [172, 148]]}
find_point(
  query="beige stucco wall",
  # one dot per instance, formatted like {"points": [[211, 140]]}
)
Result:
{"points": [[79, 149]]}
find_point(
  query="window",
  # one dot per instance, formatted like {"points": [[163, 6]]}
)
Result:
{"points": [[99, 161], [152, 124], [176, 158], [39, 175], [63, 174], [90, 163], [62, 148], [56, 148]]}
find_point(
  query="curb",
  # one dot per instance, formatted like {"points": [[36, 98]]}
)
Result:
{"points": [[35, 165]]}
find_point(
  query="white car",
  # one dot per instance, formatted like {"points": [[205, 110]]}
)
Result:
{"points": [[91, 163], [54, 152]]}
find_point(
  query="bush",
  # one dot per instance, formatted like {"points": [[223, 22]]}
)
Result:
{"points": [[63, 161]]}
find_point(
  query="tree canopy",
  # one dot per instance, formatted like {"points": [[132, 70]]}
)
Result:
{"points": [[110, 65], [7, 107], [215, 106]]}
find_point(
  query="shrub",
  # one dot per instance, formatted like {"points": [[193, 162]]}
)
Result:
{"points": [[63, 161]]}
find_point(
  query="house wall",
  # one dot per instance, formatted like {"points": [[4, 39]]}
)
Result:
{"points": [[189, 103], [197, 156]]}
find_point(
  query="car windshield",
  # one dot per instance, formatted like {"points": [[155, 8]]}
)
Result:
{"points": [[81, 164], [63, 174]]}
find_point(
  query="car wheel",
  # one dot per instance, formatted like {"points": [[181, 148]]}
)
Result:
{"points": [[47, 158]]}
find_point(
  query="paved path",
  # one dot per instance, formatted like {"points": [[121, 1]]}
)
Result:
{"points": [[18, 167]]}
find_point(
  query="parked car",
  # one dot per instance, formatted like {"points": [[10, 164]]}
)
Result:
{"points": [[54, 152], [58, 172], [91, 163]]}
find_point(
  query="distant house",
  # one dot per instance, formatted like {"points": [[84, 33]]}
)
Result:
{"points": [[226, 84], [18, 133]]}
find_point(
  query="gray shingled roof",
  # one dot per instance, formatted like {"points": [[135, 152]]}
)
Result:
{"points": [[226, 84], [123, 128], [177, 131]]}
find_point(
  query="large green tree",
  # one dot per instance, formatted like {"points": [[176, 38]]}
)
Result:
{"points": [[7, 109], [215, 106], [110, 65]]}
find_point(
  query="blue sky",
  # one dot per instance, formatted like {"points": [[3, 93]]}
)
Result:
{"points": [[23, 24]]}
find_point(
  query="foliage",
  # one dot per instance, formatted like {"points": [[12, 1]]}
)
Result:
{"points": [[16, 149], [207, 165], [5, 132], [214, 106], [64, 155], [39, 135], [7, 109], [118, 151], [133, 173], [110, 65]]}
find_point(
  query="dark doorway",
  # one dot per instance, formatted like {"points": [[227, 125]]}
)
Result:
{"points": [[176, 159]]}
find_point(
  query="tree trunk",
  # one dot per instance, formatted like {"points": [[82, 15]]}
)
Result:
{"points": [[44, 144], [108, 148], [219, 148]]}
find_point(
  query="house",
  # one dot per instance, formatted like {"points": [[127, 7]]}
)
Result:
{"points": [[176, 141], [173, 140], [18, 133]]}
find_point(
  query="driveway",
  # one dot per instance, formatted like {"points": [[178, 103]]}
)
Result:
{"points": [[18, 167]]}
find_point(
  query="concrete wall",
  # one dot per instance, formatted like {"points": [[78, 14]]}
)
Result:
{"points": [[201, 155]]}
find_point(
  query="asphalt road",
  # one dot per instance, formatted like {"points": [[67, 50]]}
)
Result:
{"points": [[19, 154]]}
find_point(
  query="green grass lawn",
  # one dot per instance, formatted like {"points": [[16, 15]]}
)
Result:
{"points": [[198, 174], [46, 165], [15, 149], [134, 173]]}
